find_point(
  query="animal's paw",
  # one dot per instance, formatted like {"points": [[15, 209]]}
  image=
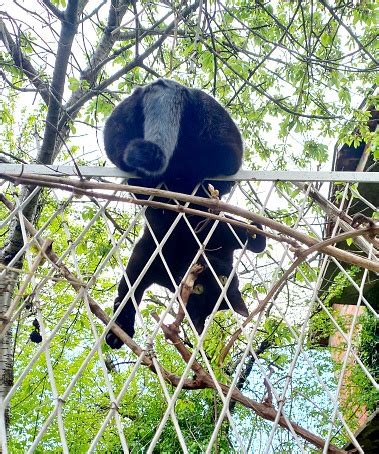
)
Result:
{"points": [[125, 321], [114, 341]]}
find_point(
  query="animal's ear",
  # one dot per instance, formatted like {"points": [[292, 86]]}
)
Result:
{"points": [[256, 242], [239, 306], [199, 323]]}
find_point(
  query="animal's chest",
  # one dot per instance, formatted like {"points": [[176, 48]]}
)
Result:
{"points": [[183, 242]]}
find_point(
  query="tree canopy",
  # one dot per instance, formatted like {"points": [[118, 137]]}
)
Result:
{"points": [[294, 75]]}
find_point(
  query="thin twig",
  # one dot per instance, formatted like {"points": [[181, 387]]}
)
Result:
{"points": [[83, 188], [185, 293]]}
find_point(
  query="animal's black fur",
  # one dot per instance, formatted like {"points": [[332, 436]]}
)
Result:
{"points": [[207, 143], [179, 251]]}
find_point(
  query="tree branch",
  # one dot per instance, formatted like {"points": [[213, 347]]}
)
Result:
{"points": [[78, 285], [349, 30], [203, 378], [23, 63], [68, 30], [84, 188], [264, 410], [142, 32], [75, 104], [337, 215], [302, 256], [93, 12], [53, 9]]}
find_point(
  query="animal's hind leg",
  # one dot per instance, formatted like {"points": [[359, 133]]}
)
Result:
{"points": [[140, 256]]}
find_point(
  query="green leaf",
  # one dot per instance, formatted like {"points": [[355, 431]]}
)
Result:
{"points": [[325, 39], [74, 84]]}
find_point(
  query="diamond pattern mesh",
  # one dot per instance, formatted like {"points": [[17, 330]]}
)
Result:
{"points": [[295, 375]]}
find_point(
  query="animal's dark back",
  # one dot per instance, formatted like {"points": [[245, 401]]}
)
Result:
{"points": [[124, 124], [209, 144]]}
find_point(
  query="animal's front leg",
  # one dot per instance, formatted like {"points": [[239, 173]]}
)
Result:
{"points": [[141, 253], [127, 315]]}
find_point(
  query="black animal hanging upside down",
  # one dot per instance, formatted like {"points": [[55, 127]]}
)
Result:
{"points": [[166, 132]]}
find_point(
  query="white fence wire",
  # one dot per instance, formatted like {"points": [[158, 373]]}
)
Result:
{"points": [[295, 376]]}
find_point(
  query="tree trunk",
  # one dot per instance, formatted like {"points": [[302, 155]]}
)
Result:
{"points": [[7, 283]]}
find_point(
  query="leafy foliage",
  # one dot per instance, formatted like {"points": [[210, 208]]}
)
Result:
{"points": [[293, 76]]}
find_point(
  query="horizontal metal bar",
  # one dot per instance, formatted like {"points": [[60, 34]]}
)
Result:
{"points": [[242, 175]]}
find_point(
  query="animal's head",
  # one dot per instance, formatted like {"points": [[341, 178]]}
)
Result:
{"points": [[208, 288]]}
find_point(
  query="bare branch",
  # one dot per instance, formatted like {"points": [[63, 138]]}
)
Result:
{"points": [[12, 156], [93, 13], [152, 31], [264, 410], [320, 246], [23, 63], [349, 30], [53, 9], [186, 290], [78, 285], [337, 215], [203, 378], [84, 188], [82, 96]]}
